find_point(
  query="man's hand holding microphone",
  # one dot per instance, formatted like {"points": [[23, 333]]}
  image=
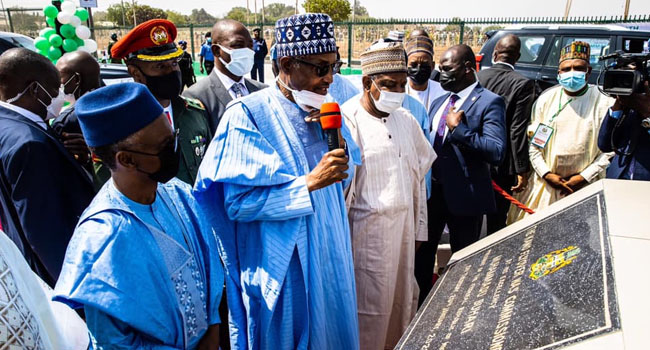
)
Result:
{"points": [[334, 164]]}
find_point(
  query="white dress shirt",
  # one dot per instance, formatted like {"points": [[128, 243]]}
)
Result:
{"points": [[168, 110], [462, 96], [25, 113], [430, 94], [228, 83]]}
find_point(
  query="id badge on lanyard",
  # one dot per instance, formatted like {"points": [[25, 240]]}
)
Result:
{"points": [[544, 131], [542, 136]]}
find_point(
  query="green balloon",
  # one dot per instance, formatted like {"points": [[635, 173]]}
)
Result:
{"points": [[82, 14], [69, 45], [53, 53], [50, 22], [47, 32], [55, 40], [67, 31], [50, 11], [80, 42], [43, 52], [41, 43]]}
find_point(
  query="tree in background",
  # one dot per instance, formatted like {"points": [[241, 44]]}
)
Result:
{"points": [[339, 10], [117, 14], [360, 11], [177, 18], [275, 11], [27, 23], [201, 17], [239, 14], [100, 16]]}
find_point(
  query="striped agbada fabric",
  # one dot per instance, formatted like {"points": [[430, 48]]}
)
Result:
{"points": [[387, 213], [287, 250], [383, 58]]}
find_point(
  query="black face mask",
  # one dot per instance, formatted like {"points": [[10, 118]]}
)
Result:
{"points": [[420, 74], [169, 158], [165, 86], [448, 81]]}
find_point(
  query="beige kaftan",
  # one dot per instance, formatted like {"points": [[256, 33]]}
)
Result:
{"points": [[572, 149], [387, 212]]}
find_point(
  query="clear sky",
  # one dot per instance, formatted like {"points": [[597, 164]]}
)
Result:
{"points": [[409, 8]]}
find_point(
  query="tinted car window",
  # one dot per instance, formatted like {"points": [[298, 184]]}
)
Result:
{"points": [[599, 47], [19, 41], [531, 47], [554, 56]]}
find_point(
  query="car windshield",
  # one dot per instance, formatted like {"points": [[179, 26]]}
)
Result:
{"points": [[20, 41]]}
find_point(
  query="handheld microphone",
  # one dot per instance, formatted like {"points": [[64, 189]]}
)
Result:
{"points": [[330, 121]]}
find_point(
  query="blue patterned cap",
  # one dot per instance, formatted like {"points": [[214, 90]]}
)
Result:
{"points": [[305, 34]]}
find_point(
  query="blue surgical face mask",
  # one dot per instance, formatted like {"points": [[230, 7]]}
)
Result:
{"points": [[572, 81], [209, 40]]}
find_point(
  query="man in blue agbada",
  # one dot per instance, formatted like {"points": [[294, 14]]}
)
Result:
{"points": [[275, 194], [143, 261]]}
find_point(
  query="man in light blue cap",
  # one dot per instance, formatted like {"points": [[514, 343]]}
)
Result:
{"points": [[142, 261], [275, 196]]}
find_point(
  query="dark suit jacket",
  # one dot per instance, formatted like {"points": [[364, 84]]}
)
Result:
{"points": [[463, 165], [43, 193], [214, 96], [631, 137], [519, 95]]}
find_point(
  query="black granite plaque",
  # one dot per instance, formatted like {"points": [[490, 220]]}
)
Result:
{"points": [[543, 287]]}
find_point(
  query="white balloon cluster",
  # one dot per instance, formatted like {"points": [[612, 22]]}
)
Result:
{"points": [[67, 16]]}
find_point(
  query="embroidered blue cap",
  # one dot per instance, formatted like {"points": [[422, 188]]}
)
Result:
{"points": [[112, 113], [305, 34]]}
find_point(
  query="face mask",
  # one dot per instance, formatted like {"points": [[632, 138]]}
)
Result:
{"points": [[169, 158], [421, 74], [209, 41], [165, 86], [241, 60], [388, 101], [307, 100], [56, 103], [572, 81], [448, 80], [71, 98]]}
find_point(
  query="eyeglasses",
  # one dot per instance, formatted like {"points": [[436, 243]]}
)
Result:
{"points": [[321, 70], [174, 141]]}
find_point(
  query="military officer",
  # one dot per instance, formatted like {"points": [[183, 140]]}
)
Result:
{"points": [[152, 59]]}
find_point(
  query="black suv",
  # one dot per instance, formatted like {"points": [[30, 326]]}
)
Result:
{"points": [[541, 45], [109, 73]]}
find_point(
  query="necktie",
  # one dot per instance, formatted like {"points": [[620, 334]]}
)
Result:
{"points": [[440, 132], [236, 88]]}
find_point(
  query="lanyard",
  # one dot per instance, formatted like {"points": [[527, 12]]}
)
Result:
{"points": [[561, 107]]}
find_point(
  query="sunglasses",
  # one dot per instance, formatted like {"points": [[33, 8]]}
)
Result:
{"points": [[322, 69]]}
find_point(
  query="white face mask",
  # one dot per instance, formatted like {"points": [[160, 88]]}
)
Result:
{"points": [[70, 98], [241, 60], [55, 106], [307, 100], [388, 101]]}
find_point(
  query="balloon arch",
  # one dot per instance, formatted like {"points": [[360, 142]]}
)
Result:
{"points": [[65, 31]]}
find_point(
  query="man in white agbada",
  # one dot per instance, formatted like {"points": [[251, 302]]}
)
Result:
{"points": [[564, 134], [31, 320], [387, 198]]}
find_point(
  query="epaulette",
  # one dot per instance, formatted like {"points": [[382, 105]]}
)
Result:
{"points": [[194, 103]]}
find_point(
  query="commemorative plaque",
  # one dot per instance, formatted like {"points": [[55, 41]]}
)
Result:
{"points": [[546, 286]]}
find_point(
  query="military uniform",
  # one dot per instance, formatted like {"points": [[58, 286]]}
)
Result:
{"points": [[193, 135], [153, 41], [193, 139]]}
